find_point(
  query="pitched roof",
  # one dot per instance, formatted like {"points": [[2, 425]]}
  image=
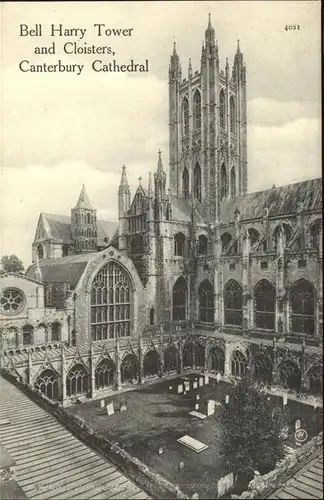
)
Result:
{"points": [[105, 229], [182, 209], [83, 201], [58, 226], [282, 200], [64, 270]]}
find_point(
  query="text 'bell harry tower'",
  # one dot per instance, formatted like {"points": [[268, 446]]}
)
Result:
{"points": [[207, 117]]}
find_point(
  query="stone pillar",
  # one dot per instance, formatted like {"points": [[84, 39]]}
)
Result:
{"points": [[303, 382], [245, 280], [319, 331], [217, 251], [92, 373], [63, 374], [180, 353], [46, 328], [118, 383], [280, 319], [275, 375], [141, 360], [227, 364]]}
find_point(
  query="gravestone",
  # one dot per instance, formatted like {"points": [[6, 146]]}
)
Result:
{"points": [[181, 465], [123, 407], [110, 409], [180, 389], [160, 450], [197, 407], [201, 381], [225, 484], [195, 496], [187, 385], [195, 384], [297, 425], [197, 414], [227, 399], [219, 377], [170, 387], [284, 400], [197, 397], [192, 443], [206, 379], [102, 403], [210, 408]]}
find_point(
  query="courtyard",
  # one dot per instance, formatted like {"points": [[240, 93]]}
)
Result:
{"points": [[155, 417]]}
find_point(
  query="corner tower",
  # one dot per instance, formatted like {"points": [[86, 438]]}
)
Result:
{"points": [[84, 225], [207, 116]]}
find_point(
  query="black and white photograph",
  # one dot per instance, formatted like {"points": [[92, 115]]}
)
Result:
{"points": [[161, 286]]}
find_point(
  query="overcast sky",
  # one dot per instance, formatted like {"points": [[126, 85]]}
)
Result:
{"points": [[60, 131]]}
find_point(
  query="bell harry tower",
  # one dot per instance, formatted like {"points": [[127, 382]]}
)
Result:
{"points": [[207, 126]]}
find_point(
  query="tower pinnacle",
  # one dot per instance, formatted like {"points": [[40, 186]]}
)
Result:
{"points": [[83, 201]]}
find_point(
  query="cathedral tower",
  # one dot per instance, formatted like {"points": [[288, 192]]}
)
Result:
{"points": [[207, 116], [84, 225]]}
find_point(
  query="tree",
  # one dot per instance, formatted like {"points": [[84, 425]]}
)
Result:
{"points": [[251, 427], [11, 264]]}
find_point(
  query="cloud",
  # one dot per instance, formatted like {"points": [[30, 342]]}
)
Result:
{"points": [[269, 112]]}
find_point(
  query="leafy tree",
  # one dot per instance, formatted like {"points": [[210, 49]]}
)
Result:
{"points": [[251, 427], [11, 264]]}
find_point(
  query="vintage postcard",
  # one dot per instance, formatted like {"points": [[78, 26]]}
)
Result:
{"points": [[161, 317]]}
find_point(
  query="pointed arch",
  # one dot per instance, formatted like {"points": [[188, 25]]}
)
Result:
{"points": [[206, 302], [233, 303], [265, 305], [171, 358], [315, 234], [238, 364], [225, 239], [47, 382], [233, 182], [152, 314], [56, 331], [179, 300], [28, 334], [40, 251], [151, 363], [315, 380], [185, 183], [197, 110], [202, 245], [217, 360], [302, 303], [262, 365], [77, 380], [185, 116], [224, 183], [232, 115], [104, 373], [290, 375], [287, 233], [254, 235], [129, 368], [222, 109], [179, 244], [197, 182]]}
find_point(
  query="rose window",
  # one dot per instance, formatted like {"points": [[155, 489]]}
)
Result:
{"points": [[11, 301]]}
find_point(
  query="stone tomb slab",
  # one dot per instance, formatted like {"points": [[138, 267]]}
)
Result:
{"points": [[197, 414], [192, 444]]}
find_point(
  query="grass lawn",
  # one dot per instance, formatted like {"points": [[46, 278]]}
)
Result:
{"points": [[156, 418]]}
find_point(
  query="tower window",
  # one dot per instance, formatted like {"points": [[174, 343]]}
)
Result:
{"points": [[185, 116], [224, 183], [179, 300], [197, 110], [303, 307], [179, 244], [197, 182], [185, 183], [222, 108], [233, 183], [232, 115]]}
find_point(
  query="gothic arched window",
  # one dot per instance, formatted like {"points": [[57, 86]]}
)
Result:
{"points": [[233, 304], [47, 383], [262, 368], [170, 358], [28, 335], [206, 302], [129, 368], [225, 239], [197, 182], [232, 115], [314, 234], [56, 332], [104, 373], [40, 251], [197, 110], [217, 360], [224, 183], [254, 236], [233, 182], [179, 244], [151, 363], [238, 364], [179, 306], [111, 303], [287, 234], [152, 316], [77, 380], [185, 183], [185, 116], [222, 110], [265, 305], [302, 298], [202, 245], [290, 375]]}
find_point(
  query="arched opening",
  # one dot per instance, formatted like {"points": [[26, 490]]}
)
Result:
{"points": [[302, 298], [222, 108], [104, 374], [28, 334], [224, 183], [225, 239], [179, 244], [290, 376], [202, 245], [254, 236], [262, 368], [65, 250], [137, 244], [315, 234], [238, 364], [185, 183], [265, 305], [40, 251], [179, 306], [206, 302], [129, 369], [287, 231], [9, 340], [56, 332], [152, 316], [111, 303], [232, 115], [315, 380], [197, 182], [47, 383], [185, 116], [217, 360], [187, 354], [233, 183], [171, 359], [197, 110], [151, 363], [77, 381], [233, 304]]}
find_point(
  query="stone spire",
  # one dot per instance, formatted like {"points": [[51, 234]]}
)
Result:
{"points": [[160, 179], [150, 186], [174, 66], [210, 34], [83, 201], [123, 186]]}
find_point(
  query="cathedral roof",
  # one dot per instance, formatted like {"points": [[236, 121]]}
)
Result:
{"points": [[83, 201], [282, 200], [182, 210]]}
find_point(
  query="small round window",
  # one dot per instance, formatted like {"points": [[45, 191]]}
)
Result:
{"points": [[11, 301]]}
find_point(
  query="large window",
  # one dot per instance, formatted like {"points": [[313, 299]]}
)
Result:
{"points": [[287, 232], [265, 305], [262, 368], [238, 364], [202, 245], [179, 300], [303, 307], [206, 302], [233, 304], [197, 110], [171, 359], [28, 335], [225, 239], [233, 183], [47, 383], [232, 115], [77, 381], [197, 182], [104, 374], [56, 332], [217, 360], [224, 183], [179, 244], [222, 108], [185, 183], [254, 236], [111, 303], [314, 235], [151, 363], [185, 116]]}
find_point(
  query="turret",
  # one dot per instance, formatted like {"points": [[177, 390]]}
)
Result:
{"points": [[160, 180], [124, 195], [175, 66], [84, 224]]}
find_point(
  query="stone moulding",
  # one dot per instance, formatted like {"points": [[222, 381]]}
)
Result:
{"points": [[152, 482]]}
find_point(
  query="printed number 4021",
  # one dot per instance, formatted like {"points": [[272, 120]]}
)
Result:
{"points": [[291, 27]]}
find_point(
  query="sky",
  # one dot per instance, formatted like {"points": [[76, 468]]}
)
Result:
{"points": [[60, 131]]}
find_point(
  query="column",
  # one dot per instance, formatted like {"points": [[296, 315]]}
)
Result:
{"points": [[30, 367], [303, 382], [118, 383], [227, 367], [63, 374], [280, 320], [141, 360], [245, 280], [161, 351], [92, 373], [180, 353], [275, 377]]}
